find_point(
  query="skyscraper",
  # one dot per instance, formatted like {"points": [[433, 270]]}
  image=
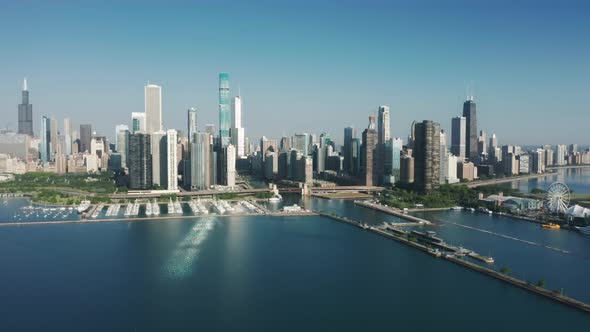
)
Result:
{"points": [[230, 166], [140, 162], [191, 122], [301, 143], [122, 146], [458, 135], [85, 137], [25, 113], [237, 131], [200, 161], [349, 135], [368, 150], [153, 108], [138, 123], [171, 159], [427, 155], [470, 115], [53, 139], [159, 159], [45, 135], [383, 125], [68, 136], [224, 109]]}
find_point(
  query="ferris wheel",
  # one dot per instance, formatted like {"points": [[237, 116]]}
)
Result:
{"points": [[558, 197]]}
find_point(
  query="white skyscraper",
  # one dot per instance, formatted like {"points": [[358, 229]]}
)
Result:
{"points": [[231, 166], [153, 108], [172, 159], [458, 136], [118, 128], [237, 131], [138, 123], [68, 136], [192, 123]]}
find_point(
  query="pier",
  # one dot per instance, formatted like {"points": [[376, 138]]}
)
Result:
{"points": [[392, 211], [400, 236]]}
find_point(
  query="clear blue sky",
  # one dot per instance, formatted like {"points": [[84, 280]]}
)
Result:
{"points": [[305, 65]]}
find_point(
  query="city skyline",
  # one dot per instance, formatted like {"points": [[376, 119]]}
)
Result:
{"points": [[528, 90]]}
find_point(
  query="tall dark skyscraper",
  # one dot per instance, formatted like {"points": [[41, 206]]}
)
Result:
{"points": [[368, 151], [85, 137], [349, 135], [25, 113], [140, 161], [470, 129], [426, 155]]}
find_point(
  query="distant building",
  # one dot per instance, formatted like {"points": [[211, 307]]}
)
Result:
{"points": [[466, 170], [349, 135], [224, 109], [85, 137], [368, 150], [230, 171], [171, 159], [192, 127], [427, 155], [510, 164], [538, 164], [25, 113], [523, 164], [237, 131], [138, 125], [153, 108], [140, 162], [470, 114], [406, 169], [200, 162], [458, 136]]}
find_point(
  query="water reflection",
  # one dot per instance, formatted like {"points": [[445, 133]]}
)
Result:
{"points": [[179, 264]]}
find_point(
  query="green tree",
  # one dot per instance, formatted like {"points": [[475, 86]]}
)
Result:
{"points": [[541, 283], [505, 270]]}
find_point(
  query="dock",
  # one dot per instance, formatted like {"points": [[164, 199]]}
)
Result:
{"points": [[399, 235], [392, 211]]}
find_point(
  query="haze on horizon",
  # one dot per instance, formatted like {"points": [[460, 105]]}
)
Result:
{"points": [[305, 66]]}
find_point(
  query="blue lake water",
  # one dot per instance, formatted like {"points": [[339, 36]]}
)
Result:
{"points": [[251, 273]]}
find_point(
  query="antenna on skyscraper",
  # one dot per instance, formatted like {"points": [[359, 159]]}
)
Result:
{"points": [[25, 84]]}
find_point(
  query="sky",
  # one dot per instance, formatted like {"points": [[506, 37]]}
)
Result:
{"points": [[304, 66]]}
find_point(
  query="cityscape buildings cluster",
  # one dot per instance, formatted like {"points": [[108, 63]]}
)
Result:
{"points": [[147, 156]]}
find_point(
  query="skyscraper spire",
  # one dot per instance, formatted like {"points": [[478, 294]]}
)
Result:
{"points": [[25, 85]]}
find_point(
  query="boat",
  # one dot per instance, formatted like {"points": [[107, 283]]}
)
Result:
{"points": [[457, 208], [471, 209], [484, 210], [551, 225], [148, 209], [275, 199], [584, 230], [84, 206], [155, 208]]}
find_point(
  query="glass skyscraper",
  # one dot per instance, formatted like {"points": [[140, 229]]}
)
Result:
{"points": [[224, 109]]}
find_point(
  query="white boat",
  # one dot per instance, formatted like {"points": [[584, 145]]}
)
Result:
{"points": [[584, 230], [275, 199], [148, 209], [84, 206], [155, 208], [457, 208]]}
